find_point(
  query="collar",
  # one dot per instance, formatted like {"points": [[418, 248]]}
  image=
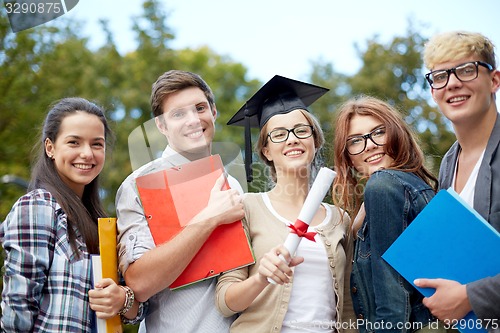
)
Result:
{"points": [[174, 157]]}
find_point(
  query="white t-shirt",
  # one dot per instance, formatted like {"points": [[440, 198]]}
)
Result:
{"points": [[468, 191], [312, 306]]}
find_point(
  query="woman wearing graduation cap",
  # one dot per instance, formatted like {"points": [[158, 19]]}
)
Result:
{"points": [[306, 296]]}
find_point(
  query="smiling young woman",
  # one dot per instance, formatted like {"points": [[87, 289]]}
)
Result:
{"points": [[309, 287], [375, 151], [51, 231]]}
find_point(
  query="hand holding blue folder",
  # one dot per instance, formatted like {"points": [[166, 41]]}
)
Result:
{"points": [[447, 240]]}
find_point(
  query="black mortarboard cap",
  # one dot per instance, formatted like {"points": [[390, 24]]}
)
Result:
{"points": [[279, 95]]}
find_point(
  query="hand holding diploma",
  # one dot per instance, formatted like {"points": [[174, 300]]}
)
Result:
{"points": [[313, 200]]}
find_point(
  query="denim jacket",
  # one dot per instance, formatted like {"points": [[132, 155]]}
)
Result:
{"points": [[383, 300]]}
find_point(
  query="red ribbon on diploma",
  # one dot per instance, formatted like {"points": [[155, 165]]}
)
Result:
{"points": [[300, 228]]}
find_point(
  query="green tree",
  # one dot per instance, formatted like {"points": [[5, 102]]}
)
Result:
{"points": [[393, 72], [24, 101]]}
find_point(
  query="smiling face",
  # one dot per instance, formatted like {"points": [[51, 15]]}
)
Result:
{"points": [[373, 157], [79, 150], [463, 102], [188, 122], [294, 154]]}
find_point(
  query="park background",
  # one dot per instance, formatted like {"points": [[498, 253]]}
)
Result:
{"points": [[111, 52]]}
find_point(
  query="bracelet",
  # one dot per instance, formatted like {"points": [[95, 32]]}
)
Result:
{"points": [[129, 300]]}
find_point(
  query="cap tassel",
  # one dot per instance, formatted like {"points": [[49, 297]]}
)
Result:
{"points": [[248, 147]]}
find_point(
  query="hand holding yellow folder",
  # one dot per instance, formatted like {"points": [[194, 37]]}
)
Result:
{"points": [[105, 265]]}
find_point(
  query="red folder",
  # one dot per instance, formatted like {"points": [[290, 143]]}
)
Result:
{"points": [[172, 197]]}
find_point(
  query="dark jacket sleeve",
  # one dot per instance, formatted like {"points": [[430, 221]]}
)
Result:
{"points": [[484, 296]]}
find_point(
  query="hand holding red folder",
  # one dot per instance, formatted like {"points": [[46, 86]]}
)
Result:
{"points": [[218, 205], [186, 194]]}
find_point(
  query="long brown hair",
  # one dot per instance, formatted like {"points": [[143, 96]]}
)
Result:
{"points": [[82, 214], [401, 145]]}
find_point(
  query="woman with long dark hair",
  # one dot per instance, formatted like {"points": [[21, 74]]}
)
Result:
{"points": [[51, 231]]}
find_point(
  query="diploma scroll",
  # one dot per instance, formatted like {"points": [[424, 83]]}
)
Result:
{"points": [[321, 185]]}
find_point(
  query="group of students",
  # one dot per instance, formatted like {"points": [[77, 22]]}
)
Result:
{"points": [[335, 282]]}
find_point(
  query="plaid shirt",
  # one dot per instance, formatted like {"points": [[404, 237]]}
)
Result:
{"points": [[45, 283]]}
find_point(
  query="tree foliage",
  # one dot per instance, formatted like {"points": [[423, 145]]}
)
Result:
{"points": [[393, 72]]}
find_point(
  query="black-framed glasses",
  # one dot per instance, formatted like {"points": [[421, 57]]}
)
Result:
{"points": [[281, 134], [464, 72], [357, 144]]}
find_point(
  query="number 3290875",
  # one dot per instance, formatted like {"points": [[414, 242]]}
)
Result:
{"points": [[33, 8]]}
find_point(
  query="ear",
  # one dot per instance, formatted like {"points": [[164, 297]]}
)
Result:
{"points": [[214, 112], [49, 148], [265, 152], [161, 124], [495, 81], [432, 94]]}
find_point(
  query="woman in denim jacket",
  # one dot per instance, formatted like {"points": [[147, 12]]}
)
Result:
{"points": [[381, 179]]}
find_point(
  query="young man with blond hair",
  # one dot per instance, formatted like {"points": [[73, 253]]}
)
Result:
{"points": [[464, 81]]}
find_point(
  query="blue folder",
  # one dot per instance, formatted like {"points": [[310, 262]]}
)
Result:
{"points": [[448, 240]]}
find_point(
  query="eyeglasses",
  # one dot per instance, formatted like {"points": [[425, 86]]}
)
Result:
{"points": [[464, 72], [357, 144], [281, 134]]}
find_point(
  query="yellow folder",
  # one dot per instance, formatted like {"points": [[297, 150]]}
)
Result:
{"points": [[109, 263]]}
